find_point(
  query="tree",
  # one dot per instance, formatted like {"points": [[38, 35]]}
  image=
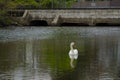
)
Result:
{"points": [[56, 3], [70, 3], [49, 3]]}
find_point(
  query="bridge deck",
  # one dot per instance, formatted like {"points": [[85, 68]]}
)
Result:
{"points": [[89, 16]]}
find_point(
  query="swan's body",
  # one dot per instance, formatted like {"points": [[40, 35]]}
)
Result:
{"points": [[73, 54]]}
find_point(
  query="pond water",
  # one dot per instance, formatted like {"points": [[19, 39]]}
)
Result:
{"points": [[41, 53]]}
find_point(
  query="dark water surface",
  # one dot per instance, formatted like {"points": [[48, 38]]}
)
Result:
{"points": [[41, 53]]}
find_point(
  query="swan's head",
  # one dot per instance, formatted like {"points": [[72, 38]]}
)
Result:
{"points": [[72, 43]]}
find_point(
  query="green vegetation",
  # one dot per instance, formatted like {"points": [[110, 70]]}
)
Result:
{"points": [[35, 3], [39, 3], [4, 19], [57, 3]]}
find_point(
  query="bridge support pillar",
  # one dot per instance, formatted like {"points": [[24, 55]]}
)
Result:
{"points": [[91, 22], [56, 20]]}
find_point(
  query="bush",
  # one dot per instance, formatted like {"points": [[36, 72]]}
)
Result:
{"points": [[4, 19]]}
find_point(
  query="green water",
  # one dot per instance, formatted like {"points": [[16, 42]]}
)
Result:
{"points": [[41, 53]]}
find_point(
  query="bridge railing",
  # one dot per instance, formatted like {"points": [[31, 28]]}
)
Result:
{"points": [[20, 13]]}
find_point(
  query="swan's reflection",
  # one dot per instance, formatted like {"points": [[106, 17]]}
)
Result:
{"points": [[73, 54]]}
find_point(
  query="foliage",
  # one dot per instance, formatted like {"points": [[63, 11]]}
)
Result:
{"points": [[4, 19], [46, 3], [70, 2], [56, 3], [36, 3]]}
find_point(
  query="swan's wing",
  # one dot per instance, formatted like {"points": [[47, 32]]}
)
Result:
{"points": [[75, 53], [71, 54]]}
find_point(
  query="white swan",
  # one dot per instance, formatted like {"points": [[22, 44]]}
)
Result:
{"points": [[73, 54]]}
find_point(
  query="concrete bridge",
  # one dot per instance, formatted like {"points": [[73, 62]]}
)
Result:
{"points": [[70, 16]]}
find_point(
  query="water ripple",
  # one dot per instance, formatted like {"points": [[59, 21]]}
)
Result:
{"points": [[20, 33], [25, 33]]}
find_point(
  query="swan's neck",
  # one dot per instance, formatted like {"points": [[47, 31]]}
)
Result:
{"points": [[71, 47]]}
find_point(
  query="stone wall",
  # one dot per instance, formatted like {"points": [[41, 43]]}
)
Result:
{"points": [[90, 17]]}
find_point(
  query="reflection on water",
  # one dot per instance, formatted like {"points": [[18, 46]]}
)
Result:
{"points": [[42, 53]]}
